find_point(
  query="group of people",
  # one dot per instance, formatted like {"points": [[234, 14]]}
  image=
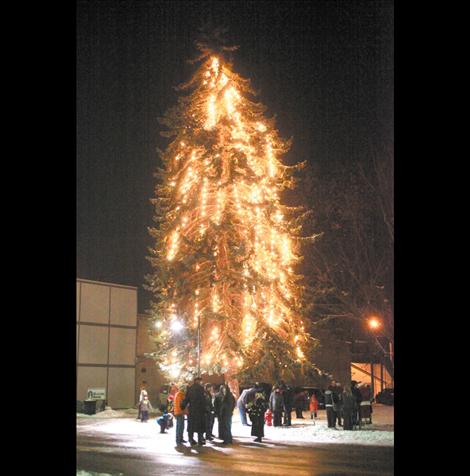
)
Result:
{"points": [[202, 405], [347, 406], [283, 400]]}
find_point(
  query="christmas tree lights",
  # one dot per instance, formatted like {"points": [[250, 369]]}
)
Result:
{"points": [[225, 246]]}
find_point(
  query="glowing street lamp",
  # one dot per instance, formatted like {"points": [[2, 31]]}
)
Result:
{"points": [[176, 326], [374, 323]]}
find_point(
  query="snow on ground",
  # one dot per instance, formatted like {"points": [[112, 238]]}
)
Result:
{"points": [[110, 413], [81, 472], [302, 431]]}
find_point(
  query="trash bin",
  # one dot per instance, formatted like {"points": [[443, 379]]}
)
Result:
{"points": [[80, 406], [89, 407], [100, 406]]}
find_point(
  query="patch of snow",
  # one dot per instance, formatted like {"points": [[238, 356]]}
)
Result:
{"points": [[303, 431], [81, 472]]}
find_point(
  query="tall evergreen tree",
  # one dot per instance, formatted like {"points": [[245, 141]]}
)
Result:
{"points": [[225, 247]]}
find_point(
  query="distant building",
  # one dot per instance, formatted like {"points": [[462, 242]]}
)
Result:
{"points": [[106, 341]]}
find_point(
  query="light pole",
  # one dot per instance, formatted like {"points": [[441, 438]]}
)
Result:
{"points": [[375, 325], [198, 345]]}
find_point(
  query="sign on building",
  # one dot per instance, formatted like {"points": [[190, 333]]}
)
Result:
{"points": [[96, 394]]}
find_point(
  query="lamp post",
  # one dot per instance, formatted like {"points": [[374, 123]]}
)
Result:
{"points": [[375, 324], [198, 345]]}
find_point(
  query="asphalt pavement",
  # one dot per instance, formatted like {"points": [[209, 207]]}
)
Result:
{"points": [[117, 455]]}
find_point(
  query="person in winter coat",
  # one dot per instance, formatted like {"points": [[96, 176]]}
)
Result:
{"points": [[366, 403], [276, 405], [217, 405], [143, 393], [349, 408], [313, 407], [330, 402], [209, 411], [196, 400], [299, 402], [338, 406], [357, 395], [179, 414], [145, 407], [227, 405], [288, 395], [256, 410], [246, 396], [165, 421]]}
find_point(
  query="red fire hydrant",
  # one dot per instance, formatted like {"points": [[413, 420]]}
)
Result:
{"points": [[268, 417]]}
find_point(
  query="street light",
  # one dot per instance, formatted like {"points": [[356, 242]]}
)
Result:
{"points": [[176, 326], [374, 323]]}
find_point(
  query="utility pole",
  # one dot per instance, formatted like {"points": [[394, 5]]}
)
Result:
{"points": [[198, 345]]}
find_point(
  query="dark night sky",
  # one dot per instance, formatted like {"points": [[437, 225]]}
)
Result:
{"points": [[325, 68]]}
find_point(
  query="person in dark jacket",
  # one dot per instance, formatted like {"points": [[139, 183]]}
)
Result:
{"points": [[366, 403], [196, 400], [338, 407], [227, 405], [256, 410], [276, 404], [299, 403], [349, 408], [209, 414], [330, 402], [288, 395], [217, 404], [357, 395]]}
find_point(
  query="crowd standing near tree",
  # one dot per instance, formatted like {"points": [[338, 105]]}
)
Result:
{"points": [[203, 404]]}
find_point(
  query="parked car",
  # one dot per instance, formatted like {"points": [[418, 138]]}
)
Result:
{"points": [[385, 397]]}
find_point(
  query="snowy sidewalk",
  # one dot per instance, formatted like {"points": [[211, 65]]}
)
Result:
{"points": [[303, 431]]}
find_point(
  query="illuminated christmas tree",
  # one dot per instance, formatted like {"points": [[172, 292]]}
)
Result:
{"points": [[225, 247]]}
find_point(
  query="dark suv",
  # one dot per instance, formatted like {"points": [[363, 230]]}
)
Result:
{"points": [[385, 397]]}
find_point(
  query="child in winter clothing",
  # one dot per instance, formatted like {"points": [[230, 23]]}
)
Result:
{"points": [[143, 393], [145, 407], [268, 417], [166, 420], [256, 411], [313, 406]]}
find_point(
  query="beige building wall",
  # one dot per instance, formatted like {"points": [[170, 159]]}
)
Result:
{"points": [[146, 369], [106, 340]]}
